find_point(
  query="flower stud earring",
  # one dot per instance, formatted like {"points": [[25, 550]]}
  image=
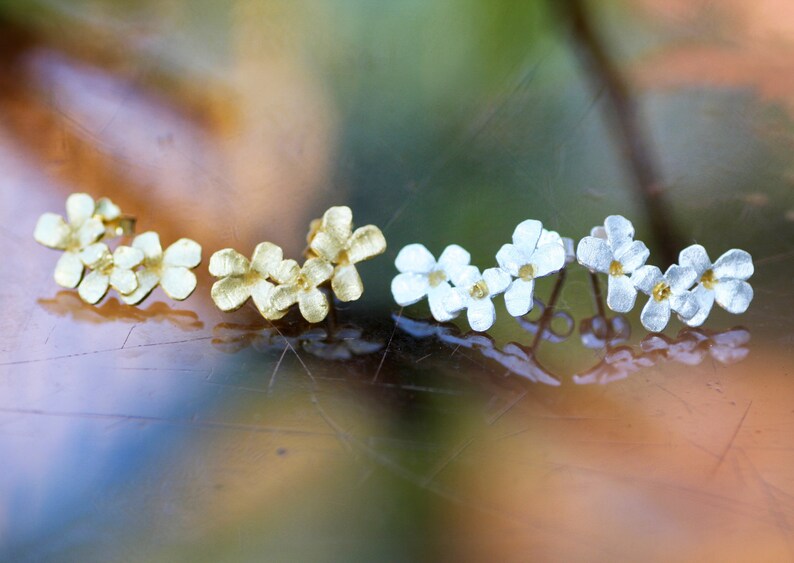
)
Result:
{"points": [[612, 250], [275, 284], [133, 271], [333, 239], [724, 281], [535, 252], [87, 222]]}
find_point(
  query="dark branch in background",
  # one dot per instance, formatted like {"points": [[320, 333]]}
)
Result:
{"points": [[622, 112]]}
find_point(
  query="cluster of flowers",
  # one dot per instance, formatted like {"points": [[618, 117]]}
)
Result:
{"points": [[689, 288], [133, 271], [275, 284], [451, 284]]}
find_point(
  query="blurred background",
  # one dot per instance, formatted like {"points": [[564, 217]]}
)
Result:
{"points": [[175, 432]]}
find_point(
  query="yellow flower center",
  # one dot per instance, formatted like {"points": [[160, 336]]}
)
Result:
{"points": [[303, 283], [527, 272], [105, 265], [479, 290], [436, 278], [342, 258], [615, 268], [708, 279], [661, 291]]}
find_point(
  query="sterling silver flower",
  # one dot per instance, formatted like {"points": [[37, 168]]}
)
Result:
{"points": [[667, 292], [474, 292], [108, 270], [612, 250], [422, 276], [724, 281], [535, 253]]}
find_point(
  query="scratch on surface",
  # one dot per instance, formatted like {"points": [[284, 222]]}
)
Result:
{"points": [[730, 442], [128, 336], [275, 369], [666, 390], [388, 346]]}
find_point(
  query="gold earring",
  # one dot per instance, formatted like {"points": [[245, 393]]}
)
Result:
{"points": [[133, 271], [275, 284]]}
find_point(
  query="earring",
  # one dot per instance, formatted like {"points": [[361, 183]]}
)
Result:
{"points": [[535, 252], [90, 223], [275, 284], [688, 289]]}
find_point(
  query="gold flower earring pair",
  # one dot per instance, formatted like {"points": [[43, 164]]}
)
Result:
{"points": [[276, 284], [88, 264]]}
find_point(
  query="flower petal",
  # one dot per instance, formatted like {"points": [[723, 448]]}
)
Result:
{"points": [[408, 288], [704, 298], [285, 296], [266, 258], [497, 280], [655, 315], [481, 314], [123, 280], [327, 246], [548, 259], [466, 276], [527, 233], [69, 270], [106, 209], [52, 231], [89, 231], [317, 271], [510, 259], [93, 287], [518, 297], [93, 254], [594, 253], [452, 258], [734, 264], [632, 256], [440, 298], [313, 305], [262, 294], [178, 282], [621, 294], [147, 281], [415, 258], [733, 295], [230, 293], [685, 304], [338, 222], [695, 257], [619, 230], [149, 244], [547, 237], [365, 243], [185, 253], [599, 232], [680, 278], [79, 207], [228, 262], [346, 283], [646, 278], [127, 257]]}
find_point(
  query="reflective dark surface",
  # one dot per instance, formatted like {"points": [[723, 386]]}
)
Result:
{"points": [[173, 431]]}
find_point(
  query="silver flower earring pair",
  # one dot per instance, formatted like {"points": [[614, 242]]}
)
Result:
{"points": [[451, 284], [690, 288]]}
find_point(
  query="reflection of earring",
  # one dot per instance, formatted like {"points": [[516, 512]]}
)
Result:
{"points": [[275, 284], [91, 222]]}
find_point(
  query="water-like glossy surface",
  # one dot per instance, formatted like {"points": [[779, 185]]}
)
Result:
{"points": [[176, 432]]}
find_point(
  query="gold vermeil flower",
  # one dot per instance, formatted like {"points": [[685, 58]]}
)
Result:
{"points": [[108, 270], [334, 240], [85, 226], [241, 279], [169, 269], [299, 285]]}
